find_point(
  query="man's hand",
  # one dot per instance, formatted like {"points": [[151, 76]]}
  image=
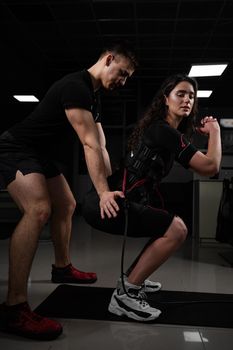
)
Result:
{"points": [[108, 204]]}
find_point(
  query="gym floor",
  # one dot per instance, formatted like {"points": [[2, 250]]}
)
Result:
{"points": [[194, 267]]}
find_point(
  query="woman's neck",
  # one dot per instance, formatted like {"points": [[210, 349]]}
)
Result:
{"points": [[173, 121]]}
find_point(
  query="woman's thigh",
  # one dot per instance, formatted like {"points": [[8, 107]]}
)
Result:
{"points": [[143, 221], [91, 213], [147, 221]]}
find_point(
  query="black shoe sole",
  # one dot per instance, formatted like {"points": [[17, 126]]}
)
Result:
{"points": [[57, 280]]}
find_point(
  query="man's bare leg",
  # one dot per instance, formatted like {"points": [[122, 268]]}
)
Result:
{"points": [[63, 206], [31, 195]]}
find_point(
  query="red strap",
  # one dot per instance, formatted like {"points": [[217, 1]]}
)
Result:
{"points": [[136, 184], [124, 181]]}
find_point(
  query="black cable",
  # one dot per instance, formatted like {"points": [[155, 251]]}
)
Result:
{"points": [[126, 211]]}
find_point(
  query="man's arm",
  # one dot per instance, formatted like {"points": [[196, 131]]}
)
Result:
{"points": [[105, 154], [85, 127]]}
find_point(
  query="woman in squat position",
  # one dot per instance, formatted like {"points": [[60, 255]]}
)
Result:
{"points": [[160, 138]]}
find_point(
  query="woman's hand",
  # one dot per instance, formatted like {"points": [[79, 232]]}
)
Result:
{"points": [[208, 124]]}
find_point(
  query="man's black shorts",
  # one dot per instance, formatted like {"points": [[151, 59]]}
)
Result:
{"points": [[15, 156]]}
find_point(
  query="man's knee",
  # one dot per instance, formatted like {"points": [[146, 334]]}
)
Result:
{"points": [[40, 212], [65, 208], [71, 205]]}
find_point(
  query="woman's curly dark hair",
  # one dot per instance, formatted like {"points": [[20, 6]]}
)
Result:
{"points": [[158, 109]]}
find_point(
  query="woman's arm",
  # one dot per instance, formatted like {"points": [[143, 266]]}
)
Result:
{"points": [[208, 164]]}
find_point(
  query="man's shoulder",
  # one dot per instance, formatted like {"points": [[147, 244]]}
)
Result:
{"points": [[78, 77]]}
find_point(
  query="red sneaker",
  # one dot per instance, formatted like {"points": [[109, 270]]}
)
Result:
{"points": [[70, 274], [20, 320]]}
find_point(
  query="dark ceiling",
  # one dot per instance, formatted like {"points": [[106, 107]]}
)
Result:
{"points": [[43, 40]]}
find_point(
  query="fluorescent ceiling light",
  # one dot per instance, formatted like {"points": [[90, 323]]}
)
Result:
{"points": [[204, 93], [207, 70], [26, 98]]}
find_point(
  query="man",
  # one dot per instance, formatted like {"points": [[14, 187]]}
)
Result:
{"points": [[41, 191]]}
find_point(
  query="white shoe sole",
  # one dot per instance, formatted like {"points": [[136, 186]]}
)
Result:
{"points": [[114, 308]]}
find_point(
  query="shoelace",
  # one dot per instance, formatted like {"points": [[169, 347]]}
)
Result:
{"points": [[139, 295], [143, 303], [142, 294]]}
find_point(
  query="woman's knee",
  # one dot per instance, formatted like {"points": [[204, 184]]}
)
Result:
{"points": [[179, 229]]}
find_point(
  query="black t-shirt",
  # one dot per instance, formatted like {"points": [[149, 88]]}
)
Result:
{"points": [[170, 145], [48, 125], [167, 145]]}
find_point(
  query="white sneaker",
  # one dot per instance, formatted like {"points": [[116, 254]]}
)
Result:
{"points": [[132, 306], [151, 286], [147, 287]]}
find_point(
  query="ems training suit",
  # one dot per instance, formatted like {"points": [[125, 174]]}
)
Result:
{"points": [[32, 144], [145, 166]]}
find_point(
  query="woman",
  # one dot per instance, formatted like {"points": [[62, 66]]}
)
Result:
{"points": [[160, 137]]}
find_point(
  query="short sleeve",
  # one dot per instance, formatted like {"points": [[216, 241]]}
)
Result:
{"points": [[75, 94], [186, 154], [162, 136]]}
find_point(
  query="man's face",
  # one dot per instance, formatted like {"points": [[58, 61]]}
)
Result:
{"points": [[116, 71]]}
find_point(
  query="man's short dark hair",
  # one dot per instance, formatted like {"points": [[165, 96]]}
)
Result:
{"points": [[124, 48]]}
